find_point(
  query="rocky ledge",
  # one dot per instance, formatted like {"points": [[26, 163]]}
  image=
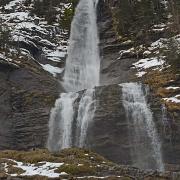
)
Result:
{"points": [[70, 164]]}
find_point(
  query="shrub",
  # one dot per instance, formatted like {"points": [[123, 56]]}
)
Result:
{"points": [[173, 53], [4, 36]]}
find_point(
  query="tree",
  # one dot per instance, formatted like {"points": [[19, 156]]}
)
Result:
{"points": [[173, 53], [4, 36], [174, 6]]}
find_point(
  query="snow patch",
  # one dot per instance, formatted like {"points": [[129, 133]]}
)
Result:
{"points": [[51, 69], [171, 87], [175, 99], [140, 74], [13, 3], [148, 63], [42, 168]]}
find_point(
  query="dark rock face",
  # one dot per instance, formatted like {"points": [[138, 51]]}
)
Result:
{"points": [[169, 129], [109, 134], [26, 97], [113, 68]]}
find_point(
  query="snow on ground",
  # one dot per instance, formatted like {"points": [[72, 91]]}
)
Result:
{"points": [[8, 60], [51, 40], [98, 177], [161, 43], [171, 87], [125, 52], [52, 69], [16, 16], [3, 57], [147, 63], [13, 3], [56, 55], [155, 49], [42, 169], [140, 74], [175, 99], [159, 27]]}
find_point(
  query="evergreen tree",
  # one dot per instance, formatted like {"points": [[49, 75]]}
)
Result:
{"points": [[4, 36]]}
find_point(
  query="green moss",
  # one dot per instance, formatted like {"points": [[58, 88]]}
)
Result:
{"points": [[74, 169], [65, 22]]}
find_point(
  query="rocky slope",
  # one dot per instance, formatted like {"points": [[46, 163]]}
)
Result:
{"points": [[70, 164]]}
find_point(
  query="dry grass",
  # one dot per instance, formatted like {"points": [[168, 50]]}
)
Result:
{"points": [[14, 170], [158, 80], [172, 107], [30, 156], [68, 156], [74, 169]]}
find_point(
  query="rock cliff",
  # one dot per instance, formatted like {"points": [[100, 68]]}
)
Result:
{"points": [[132, 50]]}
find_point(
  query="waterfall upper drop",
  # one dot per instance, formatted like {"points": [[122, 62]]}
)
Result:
{"points": [[68, 127], [146, 153], [83, 61]]}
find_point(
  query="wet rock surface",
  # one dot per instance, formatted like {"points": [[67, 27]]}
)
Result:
{"points": [[109, 133], [113, 68], [27, 95]]}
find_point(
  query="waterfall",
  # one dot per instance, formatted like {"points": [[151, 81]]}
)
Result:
{"points": [[60, 125], [85, 116], [81, 72], [83, 61], [146, 153], [167, 123]]}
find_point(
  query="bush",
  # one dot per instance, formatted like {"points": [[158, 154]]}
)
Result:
{"points": [[4, 36], [173, 53], [135, 15]]}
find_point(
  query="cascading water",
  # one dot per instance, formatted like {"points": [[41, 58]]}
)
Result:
{"points": [[167, 123], [146, 153], [60, 125], [81, 72], [83, 61], [85, 116]]}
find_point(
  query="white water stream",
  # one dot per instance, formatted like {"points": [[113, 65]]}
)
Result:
{"points": [[81, 72], [146, 143], [83, 61]]}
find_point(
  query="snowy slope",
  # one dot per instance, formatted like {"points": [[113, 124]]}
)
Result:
{"points": [[31, 36]]}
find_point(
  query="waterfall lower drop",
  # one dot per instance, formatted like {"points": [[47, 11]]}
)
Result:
{"points": [[146, 153], [85, 116], [60, 124], [81, 72]]}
